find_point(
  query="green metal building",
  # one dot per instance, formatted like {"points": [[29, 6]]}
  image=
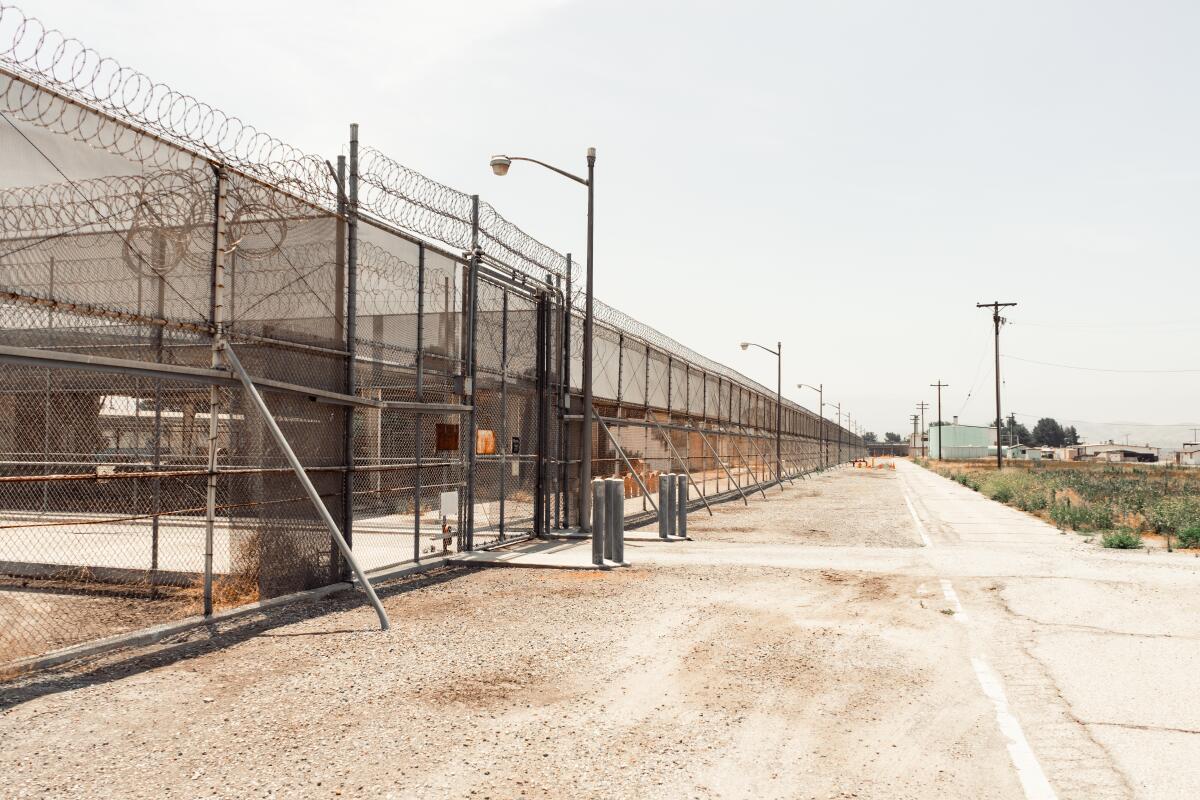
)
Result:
{"points": [[961, 442]]}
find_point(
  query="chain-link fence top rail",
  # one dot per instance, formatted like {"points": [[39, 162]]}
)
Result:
{"points": [[56, 82]]}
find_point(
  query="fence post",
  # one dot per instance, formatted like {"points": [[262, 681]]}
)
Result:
{"points": [[467, 536], [417, 420], [217, 316], [351, 338], [502, 445], [343, 308], [564, 427]]}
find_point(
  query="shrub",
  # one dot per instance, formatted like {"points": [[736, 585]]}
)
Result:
{"points": [[1122, 540], [1174, 513], [1066, 515], [1189, 537], [1100, 517], [1082, 517], [1002, 494]]}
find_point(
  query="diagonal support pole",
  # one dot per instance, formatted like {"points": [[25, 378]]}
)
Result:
{"points": [[645, 492], [738, 450], [778, 478], [248, 384], [682, 463], [721, 461]]}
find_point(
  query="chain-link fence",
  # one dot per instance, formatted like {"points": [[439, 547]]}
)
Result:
{"points": [[419, 354]]}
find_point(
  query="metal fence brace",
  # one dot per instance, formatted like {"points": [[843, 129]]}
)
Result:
{"points": [[226, 352]]}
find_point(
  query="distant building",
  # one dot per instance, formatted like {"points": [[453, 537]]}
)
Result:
{"points": [[956, 442], [1188, 455], [1110, 452], [1023, 452]]}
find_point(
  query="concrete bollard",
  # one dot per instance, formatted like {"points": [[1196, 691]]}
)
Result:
{"points": [[670, 480], [615, 520], [598, 529], [662, 506], [681, 504]]}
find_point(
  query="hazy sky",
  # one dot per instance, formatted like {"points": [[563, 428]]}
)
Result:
{"points": [[849, 177]]}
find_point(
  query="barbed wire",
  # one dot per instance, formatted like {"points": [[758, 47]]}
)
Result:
{"points": [[162, 126], [58, 83], [404, 197]]}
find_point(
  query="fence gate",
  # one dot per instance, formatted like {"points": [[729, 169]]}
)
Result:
{"points": [[515, 349]]}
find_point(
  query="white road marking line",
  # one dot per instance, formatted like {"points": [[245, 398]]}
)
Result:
{"points": [[1029, 770], [920, 528], [952, 598]]}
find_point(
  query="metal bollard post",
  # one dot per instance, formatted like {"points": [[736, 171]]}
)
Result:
{"points": [[615, 519], [663, 490], [681, 505], [671, 479], [598, 534]]}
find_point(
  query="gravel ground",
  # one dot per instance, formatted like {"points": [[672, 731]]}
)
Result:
{"points": [[706, 680], [842, 507]]}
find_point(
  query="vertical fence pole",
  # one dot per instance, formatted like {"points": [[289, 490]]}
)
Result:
{"points": [[467, 536], [217, 317], [417, 419], [564, 428], [351, 336], [503, 444], [343, 306], [160, 259], [545, 396]]}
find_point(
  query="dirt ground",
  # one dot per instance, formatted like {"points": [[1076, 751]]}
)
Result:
{"points": [[715, 680]]}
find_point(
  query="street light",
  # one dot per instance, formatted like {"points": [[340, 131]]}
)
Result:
{"points": [[838, 406], [778, 353], [820, 390], [500, 165]]}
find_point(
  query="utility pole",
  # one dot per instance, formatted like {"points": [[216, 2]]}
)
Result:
{"points": [[939, 386], [1012, 430], [997, 320], [921, 406]]}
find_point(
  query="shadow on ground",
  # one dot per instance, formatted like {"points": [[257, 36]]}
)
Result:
{"points": [[196, 642]]}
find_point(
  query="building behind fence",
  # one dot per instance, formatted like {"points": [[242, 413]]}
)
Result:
{"points": [[415, 348]]}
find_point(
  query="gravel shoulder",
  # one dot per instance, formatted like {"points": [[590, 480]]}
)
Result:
{"points": [[700, 680]]}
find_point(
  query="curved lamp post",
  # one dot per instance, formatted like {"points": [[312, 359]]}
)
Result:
{"points": [[778, 353], [500, 165]]}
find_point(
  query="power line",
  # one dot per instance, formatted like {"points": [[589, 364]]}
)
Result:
{"points": [[1104, 369], [1099, 325]]}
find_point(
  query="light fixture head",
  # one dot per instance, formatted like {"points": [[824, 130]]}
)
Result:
{"points": [[744, 345], [500, 164]]}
